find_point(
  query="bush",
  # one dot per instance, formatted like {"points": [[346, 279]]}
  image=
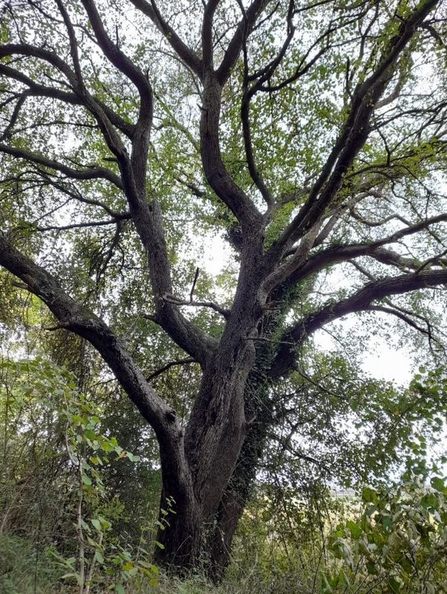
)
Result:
{"points": [[397, 545]]}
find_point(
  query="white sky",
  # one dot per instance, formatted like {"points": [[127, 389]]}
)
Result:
{"points": [[388, 363]]}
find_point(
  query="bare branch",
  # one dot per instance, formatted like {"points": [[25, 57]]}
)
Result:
{"points": [[38, 90], [375, 250], [25, 49], [110, 134], [75, 194], [73, 42], [175, 301], [185, 361], [243, 30], [216, 173], [76, 225], [115, 55], [141, 136], [94, 172], [210, 8], [79, 320], [188, 56], [355, 131], [246, 128], [401, 316], [196, 276]]}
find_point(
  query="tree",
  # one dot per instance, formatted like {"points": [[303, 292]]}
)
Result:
{"points": [[312, 135]]}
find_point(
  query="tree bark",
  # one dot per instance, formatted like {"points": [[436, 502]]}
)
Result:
{"points": [[234, 501]]}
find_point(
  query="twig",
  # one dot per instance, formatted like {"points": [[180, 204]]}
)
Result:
{"points": [[196, 276], [168, 366], [61, 326], [176, 301], [151, 317], [265, 339]]}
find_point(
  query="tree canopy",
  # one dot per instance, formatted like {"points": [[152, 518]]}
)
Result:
{"points": [[136, 135]]}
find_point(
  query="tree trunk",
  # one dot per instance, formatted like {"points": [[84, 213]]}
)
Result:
{"points": [[179, 534], [212, 445], [201, 531], [224, 440], [239, 489]]}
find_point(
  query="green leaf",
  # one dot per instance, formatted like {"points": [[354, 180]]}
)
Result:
{"points": [[369, 495], [355, 530], [326, 587], [430, 501], [394, 585], [71, 575], [438, 483], [387, 523], [93, 542]]}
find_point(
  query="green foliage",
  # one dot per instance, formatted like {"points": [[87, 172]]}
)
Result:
{"points": [[282, 539], [89, 449], [25, 569], [55, 461], [398, 544], [334, 424]]}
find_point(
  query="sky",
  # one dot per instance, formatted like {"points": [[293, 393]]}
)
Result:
{"points": [[388, 363]]}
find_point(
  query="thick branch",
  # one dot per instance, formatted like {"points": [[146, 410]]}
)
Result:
{"points": [[185, 361], [77, 319], [84, 225], [116, 56], [207, 33], [216, 173], [87, 173], [359, 301], [374, 250], [235, 46], [38, 90], [148, 220], [110, 134], [26, 49], [73, 317]]}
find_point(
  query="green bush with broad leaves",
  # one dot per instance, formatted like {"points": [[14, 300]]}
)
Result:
{"points": [[397, 545]]}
